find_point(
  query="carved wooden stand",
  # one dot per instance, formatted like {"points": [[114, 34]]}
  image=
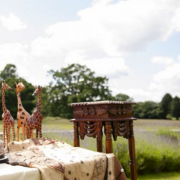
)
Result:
{"points": [[114, 116]]}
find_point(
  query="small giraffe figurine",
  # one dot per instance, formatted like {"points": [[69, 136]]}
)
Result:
{"points": [[35, 120], [22, 114], [8, 121]]}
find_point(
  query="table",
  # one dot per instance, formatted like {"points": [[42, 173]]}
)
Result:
{"points": [[9, 172], [114, 116]]}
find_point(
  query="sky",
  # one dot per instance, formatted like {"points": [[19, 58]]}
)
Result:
{"points": [[134, 43]]}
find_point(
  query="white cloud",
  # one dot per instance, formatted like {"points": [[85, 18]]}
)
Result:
{"points": [[27, 67], [139, 94], [111, 30], [110, 67], [46, 67], [179, 58], [106, 32], [12, 22], [167, 80], [13, 52], [101, 2], [17, 54], [170, 76], [164, 81], [102, 37], [162, 60], [176, 19]]}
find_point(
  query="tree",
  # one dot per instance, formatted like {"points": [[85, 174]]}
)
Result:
{"points": [[166, 105], [8, 72], [175, 107], [28, 100], [147, 110], [75, 83], [122, 97]]}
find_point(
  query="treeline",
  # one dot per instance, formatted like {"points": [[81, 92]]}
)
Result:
{"points": [[168, 108], [77, 83]]}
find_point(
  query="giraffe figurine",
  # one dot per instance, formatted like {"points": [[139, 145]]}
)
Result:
{"points": [[35, 120], [8, 121], [22, 114]]}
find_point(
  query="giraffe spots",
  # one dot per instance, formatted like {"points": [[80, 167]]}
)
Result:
{"points": [[21, 117], [21, 122], [19, 109], [20, 104], [23, 113]]}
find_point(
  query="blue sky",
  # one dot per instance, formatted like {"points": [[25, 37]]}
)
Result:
{"points": [[135, 42]]}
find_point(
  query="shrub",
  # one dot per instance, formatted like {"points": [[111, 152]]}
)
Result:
{"points": [[168, 116], [168, 133], [151, 156]]}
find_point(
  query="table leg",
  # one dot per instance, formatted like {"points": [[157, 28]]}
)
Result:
{"points": [[76, 135], [108, 132], [132, 153], [99, 144]]}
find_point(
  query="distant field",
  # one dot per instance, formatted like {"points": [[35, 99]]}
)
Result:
{"points": [[57, 123], [154, 124], [139, 124], [60, 128], [52, 124]]}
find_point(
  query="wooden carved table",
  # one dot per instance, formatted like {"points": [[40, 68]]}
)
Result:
{"points": [[114, 116]]}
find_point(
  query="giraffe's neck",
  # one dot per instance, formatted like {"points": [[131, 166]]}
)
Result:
{"points": [[20, 106], [39, 102], [3, 101]]}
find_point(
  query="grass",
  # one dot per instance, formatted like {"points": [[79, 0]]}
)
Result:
{"points": [[56, 123], [164, 131], [160, 176], [157, 145], [155, 124], [140, 124]]}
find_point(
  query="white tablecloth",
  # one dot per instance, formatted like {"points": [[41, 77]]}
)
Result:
{"points": [[8, 172]]}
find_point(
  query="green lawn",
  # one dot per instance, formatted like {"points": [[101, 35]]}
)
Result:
{"points": [[57, 123], [161, 176]]}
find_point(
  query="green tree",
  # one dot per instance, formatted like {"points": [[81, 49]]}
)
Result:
{"points": [[165, 105], [28, 100], [122, 97], [147, 110], [175, 107], [8, 72], [75, 83], [138, 110]]}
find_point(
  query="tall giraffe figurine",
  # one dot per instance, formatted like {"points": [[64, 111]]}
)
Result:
{"points": [[8, 121], [35, 120], [22, 114]]}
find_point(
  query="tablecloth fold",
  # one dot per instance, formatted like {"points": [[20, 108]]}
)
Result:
{"points": [[57, 160]]}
